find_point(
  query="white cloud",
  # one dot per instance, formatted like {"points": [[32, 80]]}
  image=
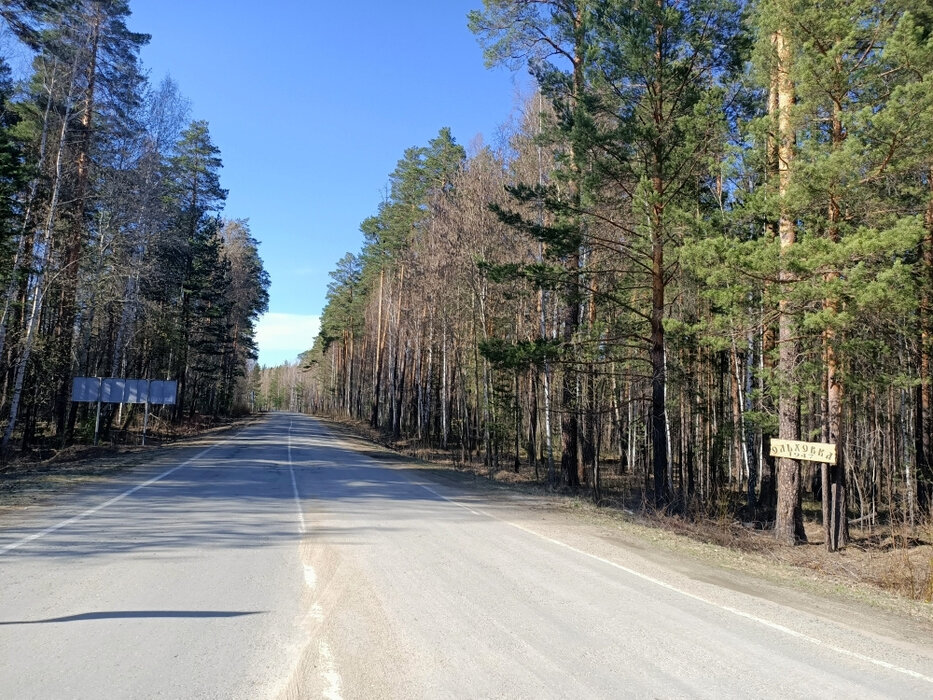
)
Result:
{"points": [[281, 337]]}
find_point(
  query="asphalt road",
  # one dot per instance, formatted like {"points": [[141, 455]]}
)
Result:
{"points": [[281, 563]]}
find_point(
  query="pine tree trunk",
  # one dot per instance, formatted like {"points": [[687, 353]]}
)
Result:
{"points": [[427, 407], [517, 463], [569, 424], [533, 409], [924, 401], [445, 392], [377, 366], [588, 464], [789, 516], [835, 521], [767, 497], [659, 455]]}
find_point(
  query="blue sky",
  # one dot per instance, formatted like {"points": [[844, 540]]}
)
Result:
{"points": [[312, 103]]}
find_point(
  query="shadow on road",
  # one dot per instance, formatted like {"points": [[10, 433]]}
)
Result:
{"points": [[134, 614]]}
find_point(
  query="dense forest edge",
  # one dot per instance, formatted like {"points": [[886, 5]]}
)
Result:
{"points": [[116, 260], [710, 227]]}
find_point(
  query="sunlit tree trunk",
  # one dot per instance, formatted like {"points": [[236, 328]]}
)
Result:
{"points": [[789, 516]]}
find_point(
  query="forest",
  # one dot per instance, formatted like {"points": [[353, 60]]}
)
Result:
{"points": [[116, 261], [711, 226]]}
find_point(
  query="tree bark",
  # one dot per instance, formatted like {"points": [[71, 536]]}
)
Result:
{"points": [[569, 425], [377, 366], [768, 494], [924, 392], [835, 521], [659, 455], [789, 516]]}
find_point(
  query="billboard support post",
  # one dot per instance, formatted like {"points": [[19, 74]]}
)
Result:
{"points": [[97, 420], [146, 412]]}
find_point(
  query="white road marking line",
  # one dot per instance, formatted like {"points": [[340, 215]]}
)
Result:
{"points": [[90, 511], [291, 470], [329, 672], [740, 613], [317, 612], [310, 576]]}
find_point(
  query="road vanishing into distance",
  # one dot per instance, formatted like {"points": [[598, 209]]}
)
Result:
{"points": [[282, 562]]}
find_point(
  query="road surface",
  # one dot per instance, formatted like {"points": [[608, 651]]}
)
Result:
{"points": [[279, 562]]}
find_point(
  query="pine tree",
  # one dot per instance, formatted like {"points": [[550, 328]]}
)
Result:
{"points": [[248, 299], [659, 85], [196, 192], [109, 87], [13, 176], [552, 37]]}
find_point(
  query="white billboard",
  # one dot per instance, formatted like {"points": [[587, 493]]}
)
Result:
{"points": [[119, 390], [85, 389], [163, 392]]}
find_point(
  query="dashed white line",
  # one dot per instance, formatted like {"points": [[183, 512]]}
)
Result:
{"points": [[329, 673], [291, 470], [317, 612], [310, 576]]}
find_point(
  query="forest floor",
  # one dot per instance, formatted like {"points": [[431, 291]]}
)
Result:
{"points": [[889, 567]]}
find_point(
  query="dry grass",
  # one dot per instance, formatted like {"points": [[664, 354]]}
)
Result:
{"points": [[895, 564]]}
